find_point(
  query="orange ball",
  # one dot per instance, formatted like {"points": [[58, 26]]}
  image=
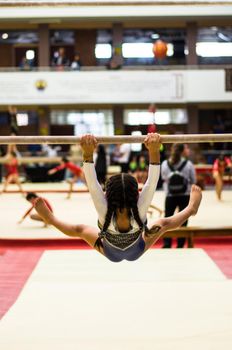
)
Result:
{"points": [[160, 49]]}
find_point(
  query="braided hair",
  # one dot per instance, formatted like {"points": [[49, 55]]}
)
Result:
{"points": [[121, 192]]}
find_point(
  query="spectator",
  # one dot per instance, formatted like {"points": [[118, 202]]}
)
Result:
{"points": [[12, 119], [2, 153], [25, 64], [60, 60], [133, 166], [12, 147], [50, 151], [142, 169], [123, 156], [76, 63], [113, 65], [178, 174]]}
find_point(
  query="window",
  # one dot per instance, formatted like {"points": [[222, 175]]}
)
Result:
{"points": [[103, 51], [18, 37], [160, 117], [142, 50], [98, 123], [62, 37], [136, 147], [30, 55], [214, 49], [214, 45], [22, 119], [134, 117]]}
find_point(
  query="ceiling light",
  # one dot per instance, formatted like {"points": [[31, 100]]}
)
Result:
{"points": [[155, 36], [5, 36]]}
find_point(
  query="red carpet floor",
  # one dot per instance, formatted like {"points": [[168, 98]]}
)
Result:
{"points": [[15, 268], [18, 258]]}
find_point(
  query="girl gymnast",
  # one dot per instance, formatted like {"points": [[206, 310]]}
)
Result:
{"points": [[31, 197], [74, 169], [12, 175], [122, 210], [219, 166]]}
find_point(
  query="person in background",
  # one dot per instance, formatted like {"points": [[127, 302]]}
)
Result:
{"points": [[76, 154], [76, 63], [2, 154], [113, 65], [133, 166], [134, 170], [178, 175], [74, 169], [12, 120], [12, 175], [31, 197], [123, 156], [25, 64], [50, 151], [219, 166], [12, 147], [60, 60], [142, 169]]}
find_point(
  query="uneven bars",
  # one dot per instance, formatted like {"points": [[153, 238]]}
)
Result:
{"points": [[70, 140]]}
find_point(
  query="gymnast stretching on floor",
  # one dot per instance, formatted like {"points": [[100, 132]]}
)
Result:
{"points": [[122, 210]]}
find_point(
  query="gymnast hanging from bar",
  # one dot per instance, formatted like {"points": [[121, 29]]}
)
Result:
{"points": [[122, 212]]}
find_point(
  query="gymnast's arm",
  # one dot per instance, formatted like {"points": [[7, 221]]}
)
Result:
{"points": [[95, 190], [26, 214], [148, 190], [88, 144], [152, 143]]}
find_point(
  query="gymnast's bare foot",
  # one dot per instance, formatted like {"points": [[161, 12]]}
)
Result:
{"points": [[43, 211], [195, 199]]}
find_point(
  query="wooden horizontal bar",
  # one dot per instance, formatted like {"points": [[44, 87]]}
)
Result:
{"points": [[62, 140], [19, 3]]}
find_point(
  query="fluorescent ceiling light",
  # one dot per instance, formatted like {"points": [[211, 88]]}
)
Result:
{"points": [[136, 147], [30, 54], [103, 51], [155, 36], [214, 49], [22, 119], [5, 36]]}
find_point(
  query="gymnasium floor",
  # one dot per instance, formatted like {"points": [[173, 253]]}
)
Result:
{"points": [[75, 299], [80, 209]]}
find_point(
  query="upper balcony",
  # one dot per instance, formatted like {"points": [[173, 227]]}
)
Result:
{"points": [[197, 34], [169, 85]]}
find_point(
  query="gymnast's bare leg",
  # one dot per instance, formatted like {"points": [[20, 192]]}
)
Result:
{"points": [[87, 233], [172, 222]]}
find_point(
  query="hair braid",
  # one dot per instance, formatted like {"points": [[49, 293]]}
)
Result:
{"points": [[109, 214], [121, 192], [137, 218]]}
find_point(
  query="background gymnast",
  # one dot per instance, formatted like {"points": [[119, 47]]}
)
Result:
{"points": [[12, 172], [219, 166], [74, 169], [122, 210], [31, 197]]}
